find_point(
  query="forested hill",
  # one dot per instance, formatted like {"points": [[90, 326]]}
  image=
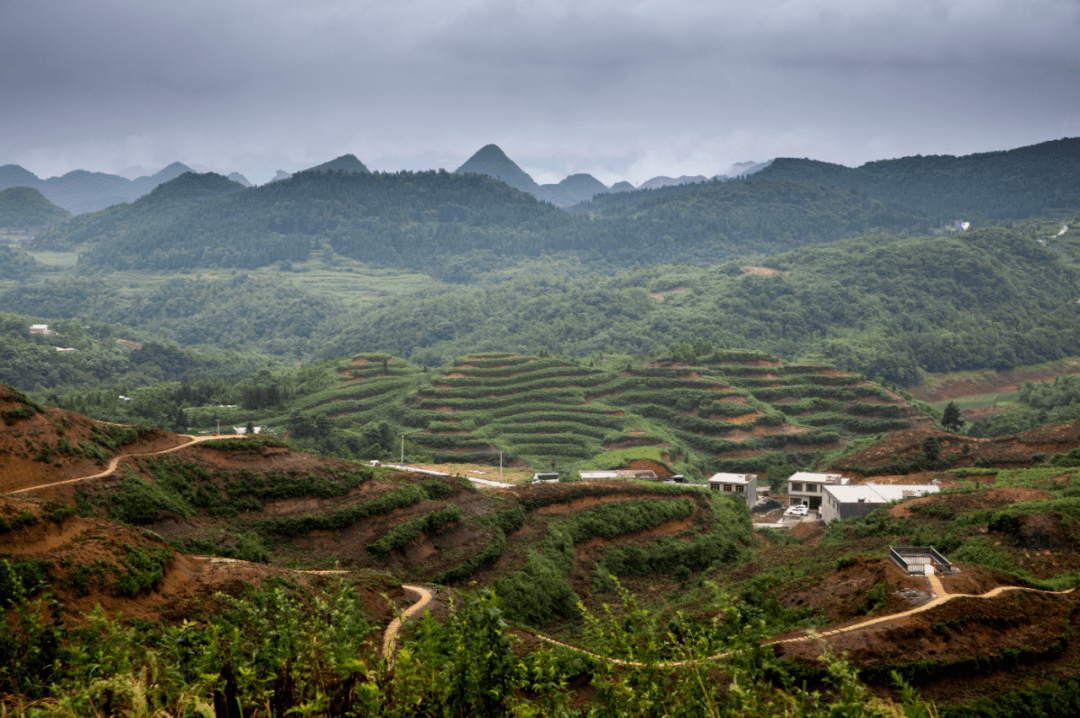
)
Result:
{"points": [[455, 226], [1011, 184], [761, 216], [886, 306], [165, 204], [26, 208]]}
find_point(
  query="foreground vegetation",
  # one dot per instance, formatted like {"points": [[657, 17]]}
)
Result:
{"points": [[281, 649]]}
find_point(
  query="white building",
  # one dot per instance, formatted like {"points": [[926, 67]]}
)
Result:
{"points": [[646, 474], [744, 485], [848, 502], [807, 488]]}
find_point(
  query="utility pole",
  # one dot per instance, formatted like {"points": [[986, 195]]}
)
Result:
{"points": [[402, 448], [500, 466]]}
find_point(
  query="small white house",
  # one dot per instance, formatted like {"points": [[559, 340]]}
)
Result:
{"points": [[744, 485], [39, 329], [848, 502]]}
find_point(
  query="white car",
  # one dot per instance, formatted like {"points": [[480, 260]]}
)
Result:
{"points": [[799, 510]]}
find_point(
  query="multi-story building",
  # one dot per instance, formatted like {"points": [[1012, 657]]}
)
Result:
{"points": [[807, 488]]}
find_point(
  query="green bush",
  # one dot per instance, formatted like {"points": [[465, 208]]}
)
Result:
{"points": [[137, 501]]}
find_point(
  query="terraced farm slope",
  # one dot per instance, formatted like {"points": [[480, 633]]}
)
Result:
{"points": [[739, 410]]}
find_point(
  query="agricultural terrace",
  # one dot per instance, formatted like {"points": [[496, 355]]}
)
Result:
{"points": [[744, 413]]}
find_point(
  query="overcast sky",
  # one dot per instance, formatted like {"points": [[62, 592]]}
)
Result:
{"points": [[621, 89]]}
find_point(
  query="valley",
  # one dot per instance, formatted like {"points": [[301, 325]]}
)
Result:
{"points": [[245, 428]]}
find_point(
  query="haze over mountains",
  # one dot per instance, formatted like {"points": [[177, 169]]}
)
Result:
{"points": [[82, 192]]}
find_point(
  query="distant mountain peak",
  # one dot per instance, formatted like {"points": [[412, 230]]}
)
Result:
{"points": [[490, 160], [239, 178], [345, 163]]}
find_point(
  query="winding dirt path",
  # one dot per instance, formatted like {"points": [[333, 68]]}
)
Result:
{"points": [[115, 461], [391, 631], [941, 596]]}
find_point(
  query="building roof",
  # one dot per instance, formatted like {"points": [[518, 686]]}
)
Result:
{"points": [[879, 493], [732, 478], [812, 478], [618, 474]]}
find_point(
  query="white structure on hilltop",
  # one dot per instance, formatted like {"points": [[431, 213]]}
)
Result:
{"points": [[744, 485], [849, 502]]}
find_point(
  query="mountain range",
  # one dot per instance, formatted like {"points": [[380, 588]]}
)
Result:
{"points": [[82, 192], [493, 162]]}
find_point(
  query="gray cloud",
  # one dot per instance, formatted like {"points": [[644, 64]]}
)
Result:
{"points": [[618, 89]]}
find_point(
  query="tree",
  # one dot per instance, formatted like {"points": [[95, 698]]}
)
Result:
{"points": [[931, 448], [951, 420]]}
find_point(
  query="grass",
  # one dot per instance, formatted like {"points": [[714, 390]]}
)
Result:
{"points": [[976, 401], [64, 260]]}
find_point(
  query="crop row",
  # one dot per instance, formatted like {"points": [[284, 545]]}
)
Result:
{"points": [[575, 416], [568, 370], [450, 441], [524, 386], [540, 449], [550, 396], [544, 428]]}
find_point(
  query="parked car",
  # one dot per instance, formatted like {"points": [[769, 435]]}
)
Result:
{"points": [[800, 510]]}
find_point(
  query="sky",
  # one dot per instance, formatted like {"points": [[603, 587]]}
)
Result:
{"points": [[623, 90]]}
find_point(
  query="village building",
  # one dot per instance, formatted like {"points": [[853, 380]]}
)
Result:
{"points": [[806, 488], [645, 474], [849, 502], [744, 485]]}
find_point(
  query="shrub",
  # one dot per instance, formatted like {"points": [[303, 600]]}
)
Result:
{"points": [[405, 532]]}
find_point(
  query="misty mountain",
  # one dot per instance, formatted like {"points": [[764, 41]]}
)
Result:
{"points": [[658, 182], [493, 162], [573, 189], [240, 179], [345, 163], [993, 185], [27, 208], [622, 187], [154, 209], [80, 192], [742, 169]]}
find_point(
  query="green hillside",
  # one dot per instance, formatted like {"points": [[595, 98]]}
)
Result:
{"points": [[25, 208], [989, 186], [735, 409], [457, 227], [16, 264], [148, 214], [882, 305]]}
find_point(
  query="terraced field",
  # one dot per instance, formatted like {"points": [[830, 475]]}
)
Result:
{"points": [[744, 413]]}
